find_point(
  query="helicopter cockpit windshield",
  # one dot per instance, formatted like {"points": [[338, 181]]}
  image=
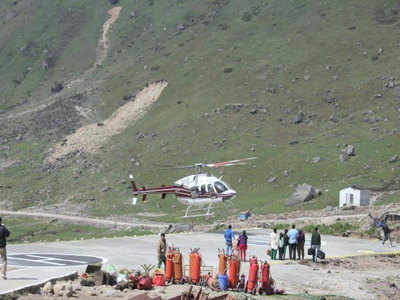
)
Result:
{"points": [[220, 187]]}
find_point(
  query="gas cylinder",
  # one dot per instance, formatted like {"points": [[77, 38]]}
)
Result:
{"points": [[265, 282], [177, 260], [169, 266], [222, 263], [234, 270], [253, 275], [194, 266]]}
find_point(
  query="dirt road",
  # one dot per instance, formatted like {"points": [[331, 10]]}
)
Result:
{"points": [[85, 220]]}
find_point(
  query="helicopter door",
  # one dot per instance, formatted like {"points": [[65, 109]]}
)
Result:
{"points": [[203, 189], [210, 189]]}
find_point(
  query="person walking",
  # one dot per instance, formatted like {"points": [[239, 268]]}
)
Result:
{"points": [[301, 239], [274, 244], [281, 243], [229, 237], [243, 245], [162, 250], [4, 234], [315, 243], [293, 234], [386, 234], [285, 243]]}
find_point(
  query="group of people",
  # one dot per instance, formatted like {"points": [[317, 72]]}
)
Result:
{"points": [[292, 239]]}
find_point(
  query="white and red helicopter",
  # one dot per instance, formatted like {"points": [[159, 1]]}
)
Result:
{"points": [[195, 190]]}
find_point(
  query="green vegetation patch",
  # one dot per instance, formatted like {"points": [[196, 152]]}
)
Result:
{"points": [[26, 229]]}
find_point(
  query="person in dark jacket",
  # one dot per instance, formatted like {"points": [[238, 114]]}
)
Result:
{"points": [[300, 244], [386, 233], [315, 243], [4, 233], [243, 245], [285, 243], [281, 243]]}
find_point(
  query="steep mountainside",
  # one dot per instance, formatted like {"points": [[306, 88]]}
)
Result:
{"points": [[289, 81]]}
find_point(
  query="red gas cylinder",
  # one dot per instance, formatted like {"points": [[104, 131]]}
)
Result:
{"points": [[158, 279], [194, 266], [234, 270], [253, 275], [177, 260], [222, 263], [265, 282], [169, 266]]}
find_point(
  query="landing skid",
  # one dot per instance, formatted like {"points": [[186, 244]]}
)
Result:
{"points": [[207, 213]]}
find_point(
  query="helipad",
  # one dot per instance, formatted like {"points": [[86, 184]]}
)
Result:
{"points": [[50, 260]]}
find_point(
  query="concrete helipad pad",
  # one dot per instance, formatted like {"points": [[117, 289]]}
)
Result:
{"points": [[50, 260]]}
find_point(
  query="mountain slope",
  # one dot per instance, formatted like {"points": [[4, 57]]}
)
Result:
{"points": [[238, 73]]}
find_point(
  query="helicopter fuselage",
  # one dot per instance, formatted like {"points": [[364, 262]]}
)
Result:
{"points": [[205, 189]]}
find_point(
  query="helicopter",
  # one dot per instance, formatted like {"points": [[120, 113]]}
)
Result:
{"points": [[199, 190]]}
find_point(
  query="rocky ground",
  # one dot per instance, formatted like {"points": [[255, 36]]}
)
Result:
{"points": [[375, 277]]}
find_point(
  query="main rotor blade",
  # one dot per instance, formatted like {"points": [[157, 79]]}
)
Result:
{"points": [[230, 163]]}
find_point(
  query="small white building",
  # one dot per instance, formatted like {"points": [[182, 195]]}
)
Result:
{"points": [[353, 196]]}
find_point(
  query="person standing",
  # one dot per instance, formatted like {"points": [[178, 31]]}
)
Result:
{"points": [[229, 237], [274, 244], [301, 239], [292, 234], [386, 234], [281, 243], [4, 234], [162, 250], [285, 243], [243, 245], [315, 243]]}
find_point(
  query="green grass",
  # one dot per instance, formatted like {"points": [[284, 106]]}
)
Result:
{"points": [[270, 44], [26, 229]]}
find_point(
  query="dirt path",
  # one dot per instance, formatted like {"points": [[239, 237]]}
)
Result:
{"points": [[102, 51], [83, 220], [91, 137]]}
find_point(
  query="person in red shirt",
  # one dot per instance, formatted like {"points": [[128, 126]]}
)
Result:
{"points": [[243, 245]]}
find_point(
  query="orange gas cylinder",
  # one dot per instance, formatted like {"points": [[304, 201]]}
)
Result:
{"points": [[253, 275], [265, 282], [234, 270], [177, 260], [222, 263], [194, 266], [169, 266]]}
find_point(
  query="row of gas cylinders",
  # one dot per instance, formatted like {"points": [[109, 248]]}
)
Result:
{"points": [[259, 278]]}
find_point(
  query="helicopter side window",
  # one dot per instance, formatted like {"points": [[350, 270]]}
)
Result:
{"points": [[220, 187], [203, 189], [210, 189]]}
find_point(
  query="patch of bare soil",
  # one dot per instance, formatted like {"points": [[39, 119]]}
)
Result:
{"points": [[376, 272], [91, 137]]}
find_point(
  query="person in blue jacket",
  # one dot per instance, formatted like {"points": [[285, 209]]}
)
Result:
{"points": [[229, 237]]}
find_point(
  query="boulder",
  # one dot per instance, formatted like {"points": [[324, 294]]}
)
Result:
{"points": [[47, 289], [343, 157], [316, 160], [59, 289], [298, 118], [350, 150], [303, 193], [394, 159]]}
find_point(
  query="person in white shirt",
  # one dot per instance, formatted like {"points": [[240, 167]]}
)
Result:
{"points": [[274, 240]]}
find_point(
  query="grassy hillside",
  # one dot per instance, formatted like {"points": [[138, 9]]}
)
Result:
{"points": [[333, 60]]}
